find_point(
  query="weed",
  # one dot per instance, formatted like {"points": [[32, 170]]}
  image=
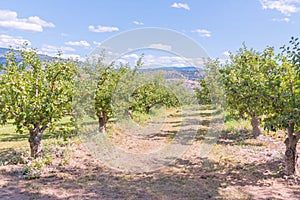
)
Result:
{"points": [[66, 156], [141, 118], [35, 167], [13, 157]]}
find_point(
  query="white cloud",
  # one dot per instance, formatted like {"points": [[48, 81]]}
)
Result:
{"points": [[172, 61], [72, 56], [286, 19], [198, 62], [203, 32], [102, 29], [226, 53], [39, 21], [223, 61], [51, 50], [155, 60], [131, 56], [286, 7], [7, 41], [55, 49], [96, 43], [81, 43], [138, 23], [64, 34], [9, 19], [180, 5], [161, 46]]}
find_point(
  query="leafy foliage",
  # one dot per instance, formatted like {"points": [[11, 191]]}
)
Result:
{"points": [[246, 80], [264, 84], [211, 89], [153, 94], [34, 92], [284, 89], [100, 81], [203, 93]]}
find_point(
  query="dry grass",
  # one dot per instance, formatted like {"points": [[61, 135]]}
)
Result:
{"points": [[237, 167]]}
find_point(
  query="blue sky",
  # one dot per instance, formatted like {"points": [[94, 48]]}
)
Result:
{"points": [[76, 27]]}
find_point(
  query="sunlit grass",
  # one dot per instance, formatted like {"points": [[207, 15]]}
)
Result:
{"points": [[10, 139], [236, 125]]}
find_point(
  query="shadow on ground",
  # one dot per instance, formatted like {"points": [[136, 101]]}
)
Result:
{"points": [[185, 179]]}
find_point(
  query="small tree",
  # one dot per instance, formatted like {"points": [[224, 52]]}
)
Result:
{"points": [[283, 97], [105, 87], [203, 93], [152, 94], [102, 81], [211, 88], [35, 93], [244, 84]]}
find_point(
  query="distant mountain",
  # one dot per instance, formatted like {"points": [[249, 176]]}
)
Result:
{"points": [[2, 55], [4, 50], [189, 72], [186, 68]]}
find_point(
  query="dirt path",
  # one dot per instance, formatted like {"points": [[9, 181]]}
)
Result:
{"points": [[237, 167], [139, 149]]}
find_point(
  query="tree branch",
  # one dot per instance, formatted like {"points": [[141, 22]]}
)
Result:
{"points": [[250, 113], [13, 114], [291, 129], [36, 87], [53, 80], [45, 127]]}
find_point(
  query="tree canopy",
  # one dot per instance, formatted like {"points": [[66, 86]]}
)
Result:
{"points": [[35, 92]]}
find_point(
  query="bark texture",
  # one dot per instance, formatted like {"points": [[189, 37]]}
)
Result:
{"points": [[291, 155], [35, 140], [102, 119], [256, 130]]}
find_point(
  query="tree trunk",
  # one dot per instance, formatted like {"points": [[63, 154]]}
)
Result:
{"points": [[291, 155], [256, 131], [129, 113], [35, 143], [102, 119], [148, 109]]}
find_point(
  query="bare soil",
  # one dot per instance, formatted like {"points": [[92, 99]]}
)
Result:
{"points": [[238, 167]]}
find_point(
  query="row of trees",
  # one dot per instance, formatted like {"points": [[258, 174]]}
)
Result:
{"points": [[36, 92], [119, 90], [264, 87]]}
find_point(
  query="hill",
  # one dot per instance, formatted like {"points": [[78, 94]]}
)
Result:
{"points": [[189, 74], [4, 50], [2, 53]]}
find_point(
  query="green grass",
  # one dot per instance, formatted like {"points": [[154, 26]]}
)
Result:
{"points": [[14, 149], [143, 119], [155, 113], [237, 125], [10, 139]]}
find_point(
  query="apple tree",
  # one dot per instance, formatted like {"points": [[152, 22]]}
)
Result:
{"points": [[283, 97], [35, 92], [244, 83], [101, 82]]}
